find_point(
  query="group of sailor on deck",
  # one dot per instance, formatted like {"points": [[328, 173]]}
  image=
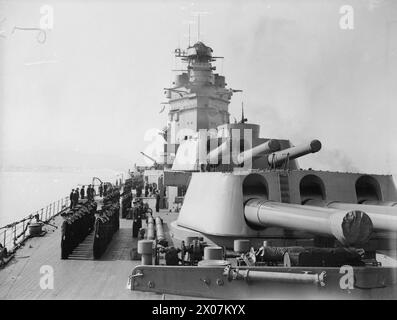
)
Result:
{"points": [[77, 194]]}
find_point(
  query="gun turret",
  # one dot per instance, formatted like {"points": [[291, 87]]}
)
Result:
{"points": [[350, 227], [292, 153]]}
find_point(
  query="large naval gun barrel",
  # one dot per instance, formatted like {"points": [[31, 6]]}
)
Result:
{"points": [[213, 156], [350, 227], [384, 218], [266, 147], [292, 153], [381, 203]]}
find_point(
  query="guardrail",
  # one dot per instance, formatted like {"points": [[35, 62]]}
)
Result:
{"points": [[14, 234]]}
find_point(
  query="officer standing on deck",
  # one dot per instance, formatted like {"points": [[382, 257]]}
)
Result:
{"points": [[76, 197], [89, 193], [157, 201], [146, 190], [139, 191], [82, 193], [92, 192], [71, 197]]}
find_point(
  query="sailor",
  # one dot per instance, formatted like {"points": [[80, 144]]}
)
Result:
{"points": [[146, 190], [76, 197], [71, 197], [3, 254], [139, 191], [89, 192], [157, 201], [82, 193], [67, 234], [100, 189], [92, 192], [136, 217]]}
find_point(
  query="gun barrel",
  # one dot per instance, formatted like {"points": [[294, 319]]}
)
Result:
{"points": [[279, 157], [349, 227], [266, 147], [381, 203], [213, 155], [159, 229], [383, 218]]}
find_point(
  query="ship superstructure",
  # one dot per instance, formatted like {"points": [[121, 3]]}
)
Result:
{"points": [[199, 98]]}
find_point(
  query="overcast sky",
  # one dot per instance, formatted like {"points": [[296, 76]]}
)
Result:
{"points": [[88, 94]]}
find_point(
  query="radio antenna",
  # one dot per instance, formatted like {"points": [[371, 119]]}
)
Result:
{"points": [[189, 35], [198, 27]]}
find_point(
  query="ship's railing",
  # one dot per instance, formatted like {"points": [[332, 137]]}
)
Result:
{"points": [[14, 234]]}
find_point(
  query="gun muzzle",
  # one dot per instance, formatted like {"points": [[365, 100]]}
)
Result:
{"points": [[292, 153], [350, 227], [384, 218]]}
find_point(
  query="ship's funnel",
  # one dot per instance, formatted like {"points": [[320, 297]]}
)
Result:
{"points": [[350, 227], [292, 153], [265, 148]]}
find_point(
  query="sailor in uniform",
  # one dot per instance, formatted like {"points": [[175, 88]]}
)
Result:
{"points": [[71, 197], [82, 193]]}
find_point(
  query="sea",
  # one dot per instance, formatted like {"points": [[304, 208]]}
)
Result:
{"points": [[24, 191]]}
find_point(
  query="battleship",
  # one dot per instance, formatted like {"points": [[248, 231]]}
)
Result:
{"points": [[225, 214]]}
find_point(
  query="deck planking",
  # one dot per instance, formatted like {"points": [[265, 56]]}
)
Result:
{"points": [[80, 279]]}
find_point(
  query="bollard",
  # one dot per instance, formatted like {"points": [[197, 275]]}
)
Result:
{"points": [[150, 229], [35, 229], [213, 263], [213, 253], [241, 246], [145, 248]]}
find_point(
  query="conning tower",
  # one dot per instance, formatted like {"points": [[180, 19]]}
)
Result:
{"points": [[198, 98]]}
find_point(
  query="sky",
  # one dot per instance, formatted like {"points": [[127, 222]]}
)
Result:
{"points": [[86, 96]]}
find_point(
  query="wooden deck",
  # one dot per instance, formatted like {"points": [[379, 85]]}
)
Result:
{"points": [[77, 278]]}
